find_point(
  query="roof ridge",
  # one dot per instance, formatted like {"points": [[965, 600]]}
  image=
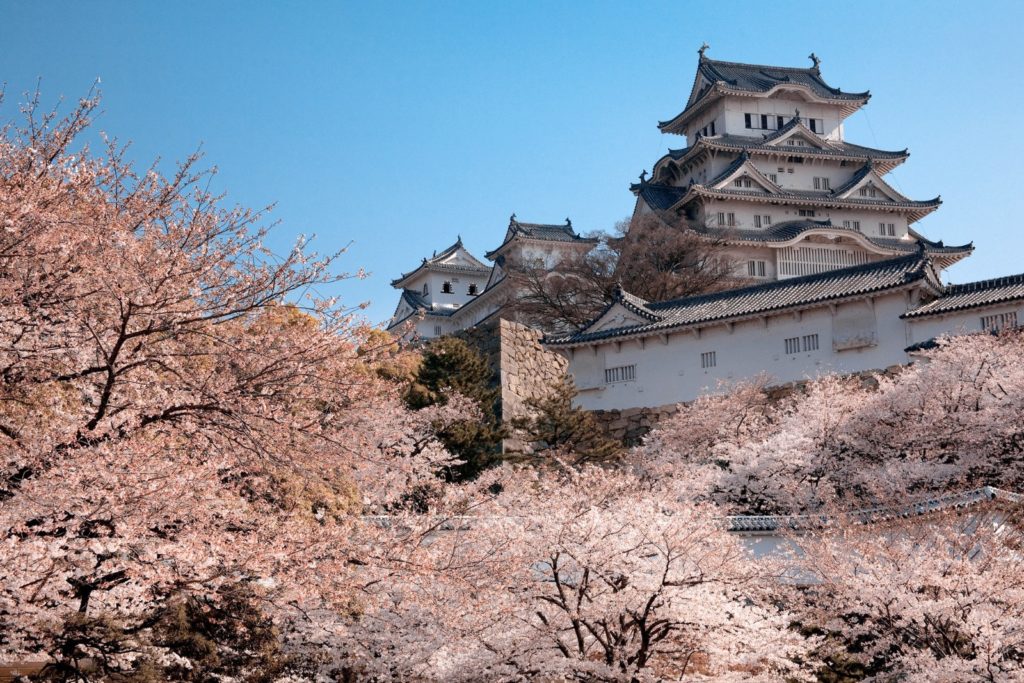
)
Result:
{"points": [[802, 69], [779, 284], [979, 285]]}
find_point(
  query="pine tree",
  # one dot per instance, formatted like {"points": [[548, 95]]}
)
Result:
{"points": [[451, 365], [555, 426]]}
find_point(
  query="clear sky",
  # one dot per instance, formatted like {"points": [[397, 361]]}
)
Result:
{"points": [[397, 126]]}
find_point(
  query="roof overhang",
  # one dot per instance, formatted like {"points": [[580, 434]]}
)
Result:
{"points": [[914, 211], [677, 124]]}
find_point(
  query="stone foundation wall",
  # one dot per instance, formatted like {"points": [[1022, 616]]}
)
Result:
{"points": [[527, 369], [522, 367]]}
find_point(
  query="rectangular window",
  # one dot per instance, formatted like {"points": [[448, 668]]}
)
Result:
{"points": [[867, 192], [792, 345], [810, 342], [773, 177], [712, 127], [622, 373], [437, 330], [746, 120], [856, 226], [807, 212], [764, 120], [731, 219], [821, 184], [813, 125], [890, 230], [846, 224], [756, 268], [757, 221], [796, 160], [780, 121], [999, 321], [708, 360], [738, 182], [721, 218], [767, 220]]}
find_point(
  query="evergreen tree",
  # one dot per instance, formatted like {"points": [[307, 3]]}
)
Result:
{"points": [[451, 365], [555, 426]]}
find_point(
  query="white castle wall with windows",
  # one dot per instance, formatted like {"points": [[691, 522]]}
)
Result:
{"points": [[846, 282]]}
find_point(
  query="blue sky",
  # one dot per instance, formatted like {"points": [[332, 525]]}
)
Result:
{"points": [[397, 126]]}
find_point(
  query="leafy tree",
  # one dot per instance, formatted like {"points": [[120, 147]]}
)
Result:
{"points": [[555, 427], [451, 366], [656, 256]]}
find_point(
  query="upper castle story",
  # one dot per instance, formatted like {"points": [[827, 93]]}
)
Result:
{"points": [[767, 168], [752, 100]]}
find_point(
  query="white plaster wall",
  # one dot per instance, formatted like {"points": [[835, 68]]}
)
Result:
{"points": [[671, 372], [960, 322], [780, 213], [460, 288], [736, 107]]}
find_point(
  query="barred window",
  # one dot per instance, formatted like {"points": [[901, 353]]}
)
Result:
{"points": [[756, 268], [810, 342], [999, 321], [622, 373], [793, 345], [437, 330], [708, 359]]}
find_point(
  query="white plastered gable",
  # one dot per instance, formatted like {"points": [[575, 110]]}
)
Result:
{"points": [[798, 133], [872, 180], [616, 316], [758, 181]]}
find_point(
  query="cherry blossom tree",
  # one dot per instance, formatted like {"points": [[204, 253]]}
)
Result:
{"points": [[949, 421], [587, 576], [178, 418], [938, 598]]}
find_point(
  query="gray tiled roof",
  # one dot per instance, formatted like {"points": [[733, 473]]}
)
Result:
{"points": [[769, 297], [788, 230], [938, 503], [762, 78], [659, 196], [540, 231], [832, 148], [756, 78], [435, 263], [973, 295]]}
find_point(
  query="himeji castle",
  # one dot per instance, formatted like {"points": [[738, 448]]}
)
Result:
{"points": [[453, 290], [842, 280], [831, 273]]}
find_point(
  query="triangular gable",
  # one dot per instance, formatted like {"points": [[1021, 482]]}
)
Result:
{"points": [[745, 170], [871, 179], [460, 257], [798, 131], [614, 317]]}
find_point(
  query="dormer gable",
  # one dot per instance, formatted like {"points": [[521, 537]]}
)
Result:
{"points": [[455, 259], [749, 177], [626, 310], [795, 134], [868, 184]]}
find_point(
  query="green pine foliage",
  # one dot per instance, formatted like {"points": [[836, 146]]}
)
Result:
{"points": [[451, 365], [556, 427]]}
